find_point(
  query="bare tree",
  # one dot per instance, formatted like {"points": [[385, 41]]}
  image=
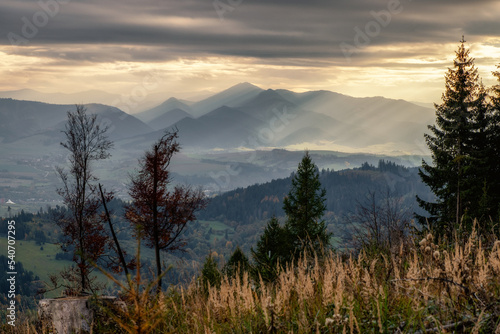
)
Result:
{"points": [[161, 213], [82, 225], [381, 224]]}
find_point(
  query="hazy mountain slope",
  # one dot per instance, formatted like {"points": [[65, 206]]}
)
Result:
{"points": [[368, 121], [91, 96], [230, 97], [20, 119], [168, 119], [169, 105], [380, 110], [286, 123], [224, 127], [121, 125], [267, 104], [245, 115]]}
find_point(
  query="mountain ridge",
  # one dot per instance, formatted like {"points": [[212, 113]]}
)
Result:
{"points": [[20, 119], [248, 115]]}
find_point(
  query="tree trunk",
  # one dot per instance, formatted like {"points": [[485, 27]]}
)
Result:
{"points": [[155, 219], [115, 239], [83, 267], [458, 213]]}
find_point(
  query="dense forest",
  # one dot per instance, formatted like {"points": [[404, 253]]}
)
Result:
{"points": [[344, 190], [27, 284]]}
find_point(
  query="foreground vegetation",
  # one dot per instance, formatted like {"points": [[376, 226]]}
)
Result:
{"points": [[422, 286], [428, 287]]}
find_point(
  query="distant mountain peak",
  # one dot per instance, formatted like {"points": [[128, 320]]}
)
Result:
{"points": [[168, 118], [241, 87], [166, 106], [231, 97], [267, 96], [270, 93], [246, 85], [173, 103], [172, 99]]}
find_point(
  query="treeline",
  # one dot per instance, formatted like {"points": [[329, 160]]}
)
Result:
{"points": [[27, 284], [40, 227], [32, 226], [344, 189]]}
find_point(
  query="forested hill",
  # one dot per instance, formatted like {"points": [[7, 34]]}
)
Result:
{"points": [[344, 190]]}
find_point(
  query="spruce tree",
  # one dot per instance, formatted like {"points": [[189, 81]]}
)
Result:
{"points": [[272, 251], [304, 229], [494, 156], [457, 174], [237, 265], [304, 207], [480, 188], [210, 274]]}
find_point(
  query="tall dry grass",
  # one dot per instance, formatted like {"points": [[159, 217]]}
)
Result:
{"points": [[423, 286]]}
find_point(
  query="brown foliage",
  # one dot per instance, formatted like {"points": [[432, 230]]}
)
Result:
{"points": [[159, 212]]}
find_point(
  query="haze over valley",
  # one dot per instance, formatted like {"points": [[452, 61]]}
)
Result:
{"points": [[235, 138]]}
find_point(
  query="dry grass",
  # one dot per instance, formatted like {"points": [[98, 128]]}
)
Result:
{"points": [[423, 287]]}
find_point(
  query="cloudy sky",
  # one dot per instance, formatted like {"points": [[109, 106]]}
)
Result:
{"points": [[397, 49]]}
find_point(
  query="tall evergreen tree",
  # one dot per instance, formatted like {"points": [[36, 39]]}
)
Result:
{"points": [[304, 229], [494, 156], [479, 192], [456, 148], [304, 207]]}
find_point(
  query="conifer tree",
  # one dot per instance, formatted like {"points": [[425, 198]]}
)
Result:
{"points": [[210, 274], [304, 207], [272, 250], [304, 229], [494, 154], [457, 173], [237, 264], [479, 188]]}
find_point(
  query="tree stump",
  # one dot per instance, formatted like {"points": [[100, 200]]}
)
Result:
{"points": [[71, 314]]}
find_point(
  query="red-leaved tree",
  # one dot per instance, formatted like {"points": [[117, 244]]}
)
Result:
{"points": [[159, 210]]}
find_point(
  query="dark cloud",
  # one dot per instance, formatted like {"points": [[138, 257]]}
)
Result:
{"points": [[157, 30]]}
